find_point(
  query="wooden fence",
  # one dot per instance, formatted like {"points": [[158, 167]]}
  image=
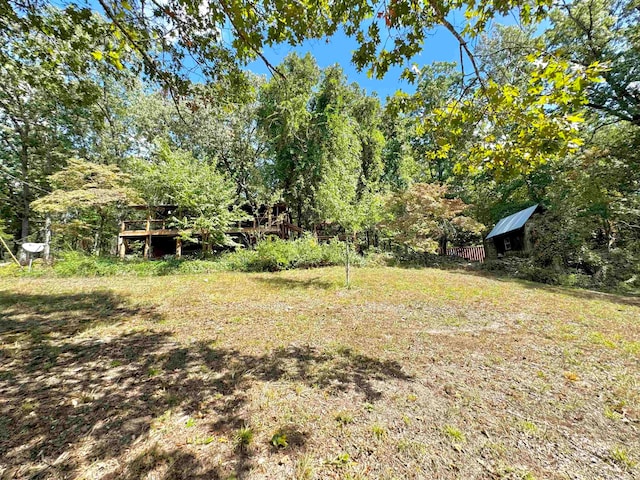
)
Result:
{"points": [[474, 254]]}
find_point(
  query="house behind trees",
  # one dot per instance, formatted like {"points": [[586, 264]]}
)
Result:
{"points": [[158, 235]]}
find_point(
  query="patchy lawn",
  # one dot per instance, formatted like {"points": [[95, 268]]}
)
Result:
{"points": [[410, 374]]}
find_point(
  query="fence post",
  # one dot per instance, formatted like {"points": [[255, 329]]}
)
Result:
{"points": [[47, 239]]}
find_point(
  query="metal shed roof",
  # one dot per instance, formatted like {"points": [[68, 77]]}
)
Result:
{"points": [[512, 222]]}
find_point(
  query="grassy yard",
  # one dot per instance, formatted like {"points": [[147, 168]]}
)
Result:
{"points": [[410, 374]]}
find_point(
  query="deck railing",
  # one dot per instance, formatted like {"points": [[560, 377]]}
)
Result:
{"points": [[474, 254], [145, 225]]}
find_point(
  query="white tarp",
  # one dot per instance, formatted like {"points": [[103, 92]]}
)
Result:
{"points": [[33, 247]]}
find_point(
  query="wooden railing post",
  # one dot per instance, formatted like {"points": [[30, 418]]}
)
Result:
{"points": [[122, 249]]}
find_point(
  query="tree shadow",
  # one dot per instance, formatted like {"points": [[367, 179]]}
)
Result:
{"points": [[581, 293], [468, 268], [277, 282], [68, 399], [174, 464], [629, 300], [60, 314]]}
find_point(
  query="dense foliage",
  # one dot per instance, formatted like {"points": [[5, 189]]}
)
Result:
{"points": [[86, 202], [270, 255], [534, 113], [204, 197], [424, 219]]}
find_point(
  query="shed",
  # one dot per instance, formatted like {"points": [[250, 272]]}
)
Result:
{"points": [[512, 233]]}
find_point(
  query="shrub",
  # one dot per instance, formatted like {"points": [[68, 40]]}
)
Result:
{"points": [[78, 264], [539, 274], [13, 270], [271, 254], [377, 258], [308, 253], [239, 261], [274, 254]]}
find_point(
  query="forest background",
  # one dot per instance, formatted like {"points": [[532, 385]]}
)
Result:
{"points": [[111, 103]]}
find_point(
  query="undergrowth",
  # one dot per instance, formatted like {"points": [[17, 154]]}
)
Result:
{"points": [[271, 254]]}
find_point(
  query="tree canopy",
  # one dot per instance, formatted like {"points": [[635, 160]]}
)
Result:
{"points": [[157, 100]]}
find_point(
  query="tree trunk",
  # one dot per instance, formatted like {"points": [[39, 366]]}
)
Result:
{"points": [[96, 244], [443, 245], [346, 263], [98, 236], [24, 167], [609, 234], [147, 246], [206, 244], [47, 239], [24, 232]]}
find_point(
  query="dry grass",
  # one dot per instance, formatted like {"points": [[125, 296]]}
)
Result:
{"points": [[410, 374]]}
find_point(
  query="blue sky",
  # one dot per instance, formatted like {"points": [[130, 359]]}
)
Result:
{"points": [[441, 46]]}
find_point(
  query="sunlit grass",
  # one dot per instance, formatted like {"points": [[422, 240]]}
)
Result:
{"points": [[408, 374]]}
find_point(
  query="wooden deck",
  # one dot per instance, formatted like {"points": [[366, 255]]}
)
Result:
{"points": [[270, 220], [146, 230]]}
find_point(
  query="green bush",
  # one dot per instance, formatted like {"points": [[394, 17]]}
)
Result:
{"points": [[271, 254], [540, 275], [77, 264], [241, 260], [274, 254], [579, 280], [309, 253], [13, 270]]}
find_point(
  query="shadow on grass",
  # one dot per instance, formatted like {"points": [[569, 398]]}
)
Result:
{"points": [[630, 300], [40, 316], [472, 268], [71, 401], [278, 282]]}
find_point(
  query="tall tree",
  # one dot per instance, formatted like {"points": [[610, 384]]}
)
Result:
{"points": [[435, 150], [312, 121], [400, 166], [45, 99], [367, 112], [285, 119], [608, 32], [217, 122]]}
